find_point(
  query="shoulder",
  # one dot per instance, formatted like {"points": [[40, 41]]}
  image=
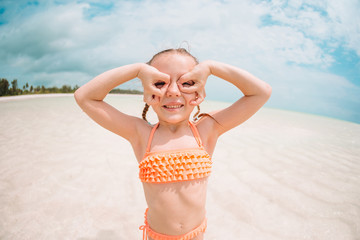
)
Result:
{"points": [[140, 138], [209, 125], [142, 131], [207, 128]]}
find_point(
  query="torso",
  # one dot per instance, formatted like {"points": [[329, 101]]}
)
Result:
{"points": [[175, 207]]}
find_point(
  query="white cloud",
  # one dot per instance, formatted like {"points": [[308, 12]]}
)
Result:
{"points": [[59, 44], [330, 20], [346, 21], [135, 29]]}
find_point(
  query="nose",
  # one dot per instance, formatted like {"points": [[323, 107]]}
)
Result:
{"points": [[173, 90]]}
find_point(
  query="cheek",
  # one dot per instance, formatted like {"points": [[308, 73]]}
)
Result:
{"points": [[189, 96]]}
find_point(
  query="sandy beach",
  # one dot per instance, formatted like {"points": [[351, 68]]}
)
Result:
{"points": [[279, 176]]}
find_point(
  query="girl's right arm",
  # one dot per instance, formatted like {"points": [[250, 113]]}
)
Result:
{"points": [[91, 95]]}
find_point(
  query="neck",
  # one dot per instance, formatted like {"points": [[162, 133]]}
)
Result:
{"points": [[174, 127]]}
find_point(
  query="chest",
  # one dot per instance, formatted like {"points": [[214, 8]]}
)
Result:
{"points": [[175, 166]]}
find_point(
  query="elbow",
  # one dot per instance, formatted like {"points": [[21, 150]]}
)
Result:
{"points": [[268, 90], [79, 96], [83, 99]]}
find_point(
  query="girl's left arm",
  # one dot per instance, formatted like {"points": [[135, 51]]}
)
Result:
{"points": [[256, 93]]}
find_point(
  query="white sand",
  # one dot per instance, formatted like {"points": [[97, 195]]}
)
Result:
{"points": [[281, 175]]}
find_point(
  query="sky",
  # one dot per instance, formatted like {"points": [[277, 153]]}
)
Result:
{"points": [[308, 51]]}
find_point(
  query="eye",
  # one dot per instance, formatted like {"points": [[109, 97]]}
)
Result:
{"points": [[188, 83], [159, 84]]}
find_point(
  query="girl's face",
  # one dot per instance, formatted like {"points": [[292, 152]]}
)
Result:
{"points": [[174, 106]]}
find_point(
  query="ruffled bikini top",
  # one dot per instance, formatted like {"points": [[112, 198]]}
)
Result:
{"points": [[175, 165]]}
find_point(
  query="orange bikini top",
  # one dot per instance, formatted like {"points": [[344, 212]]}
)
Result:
{"points": [[175, 165]]}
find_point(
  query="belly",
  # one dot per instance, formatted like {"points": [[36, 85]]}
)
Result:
{"points": [[176, 208]]}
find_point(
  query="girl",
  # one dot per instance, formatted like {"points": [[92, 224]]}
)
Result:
{"points": [[174, 155]]}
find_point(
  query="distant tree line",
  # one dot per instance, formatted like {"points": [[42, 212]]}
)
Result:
{"points": [[10, 89], [126, 91]]}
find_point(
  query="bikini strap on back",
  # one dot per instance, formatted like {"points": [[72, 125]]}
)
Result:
{"points": [[196, 134], [151, 137]]}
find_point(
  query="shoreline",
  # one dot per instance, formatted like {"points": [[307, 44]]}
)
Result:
{"points": [[30, 96]]}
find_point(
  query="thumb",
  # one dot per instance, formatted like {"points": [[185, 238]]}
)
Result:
{"points": [[186, 77], [188, 83]]}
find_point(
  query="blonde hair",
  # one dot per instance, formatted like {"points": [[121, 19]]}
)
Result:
{"points": [[182, 51]]}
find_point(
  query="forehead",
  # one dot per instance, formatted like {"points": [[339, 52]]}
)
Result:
{"points": [[172, 62]]}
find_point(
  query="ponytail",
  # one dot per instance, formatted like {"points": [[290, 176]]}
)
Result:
{"points": [[146, 108], [199, 115]]}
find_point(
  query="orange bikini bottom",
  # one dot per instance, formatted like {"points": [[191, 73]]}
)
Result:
{"points": [[147, 231]]}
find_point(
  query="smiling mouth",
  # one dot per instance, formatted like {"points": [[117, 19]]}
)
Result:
{"points": [[173, 106]]}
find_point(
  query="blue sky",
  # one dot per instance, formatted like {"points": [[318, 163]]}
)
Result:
{"points": [[309, 51]]}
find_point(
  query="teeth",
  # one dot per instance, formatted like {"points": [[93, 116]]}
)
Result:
{"points": [[173, 106]]}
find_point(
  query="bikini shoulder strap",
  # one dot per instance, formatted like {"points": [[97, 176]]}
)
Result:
{"points": [[151, 137], [196, 133]]}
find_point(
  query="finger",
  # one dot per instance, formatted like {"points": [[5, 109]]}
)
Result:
{"points": [[152, 93], [188, 84], [159, 83], [154, 90], [189, 89], [147, 99], [197, 101], [153, 87], [159, 80], [199, 98], [162, 77], [151, 99], [158, 74]]}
